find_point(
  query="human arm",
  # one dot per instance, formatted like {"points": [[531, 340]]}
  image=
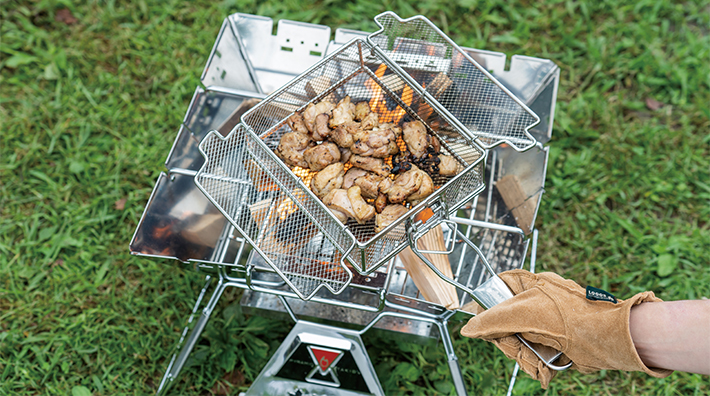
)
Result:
{"points": [[673, 335], [590, 327]]}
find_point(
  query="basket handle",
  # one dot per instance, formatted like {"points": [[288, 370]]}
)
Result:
{"points": [[490, 293]]}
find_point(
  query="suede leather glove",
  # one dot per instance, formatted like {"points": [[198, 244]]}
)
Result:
{"points": [[556, 312]]}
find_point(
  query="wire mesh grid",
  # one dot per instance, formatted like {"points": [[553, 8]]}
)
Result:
{"points": [[463, 87], [272, 217], [360, 73]]}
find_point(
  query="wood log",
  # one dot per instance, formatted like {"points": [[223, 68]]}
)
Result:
{"points": [[433, 288], [283, 227], [522, 208], [439, 85]]}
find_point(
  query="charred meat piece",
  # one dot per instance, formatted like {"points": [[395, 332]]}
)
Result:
{"points": [[401, 162], [415, 135], [352, 174], [448, 166], [338, 203], [328, 179], [322, 155], [343, 112], [312, 110], [378, 143], [363, 211], [389, 215], [404, 185], [371, 164], [362, 109], [343, 135], [425, 189], [380, 202], [429, 162], [297, 124], [369, 184], [292, 147], [321, 130]]}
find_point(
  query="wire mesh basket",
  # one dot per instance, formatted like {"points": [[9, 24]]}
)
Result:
{"points": [[463, 87], [290, 213]]}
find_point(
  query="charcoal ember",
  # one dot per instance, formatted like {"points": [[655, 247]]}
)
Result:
{"points": [[402, 162], [429, 162]]}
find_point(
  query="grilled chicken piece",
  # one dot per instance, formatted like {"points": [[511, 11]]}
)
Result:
{"points": [[404, 184], [378, 143], [338, 203], [448, 166], [425, 189], [328, 179], [362, 109], [322, 155], [389, 215], [370, 121], [352, 174], [292, 147], [297, 124], [434, 144], [363, 211], [369, 184], [320, 129], [394, 127], [385, 185], [376, 165], [343, 112], [415, 136], [380, 202], [344, 133], [345, 154], [312, 110]]}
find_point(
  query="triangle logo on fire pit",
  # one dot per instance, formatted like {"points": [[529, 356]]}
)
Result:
{"points": [[324, 358]]}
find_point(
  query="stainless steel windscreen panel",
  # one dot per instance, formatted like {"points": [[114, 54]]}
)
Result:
{"points": [[463, 87]]}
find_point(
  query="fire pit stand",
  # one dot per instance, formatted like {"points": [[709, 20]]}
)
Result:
{"points": [[324, 353]]}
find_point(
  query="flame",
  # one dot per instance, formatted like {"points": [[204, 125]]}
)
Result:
{"points": [[378, 102]]}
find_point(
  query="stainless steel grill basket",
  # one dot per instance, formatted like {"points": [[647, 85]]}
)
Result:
{"points": [[271, 203], [463, 87]]}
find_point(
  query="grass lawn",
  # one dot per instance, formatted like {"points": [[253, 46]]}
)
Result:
{"points": [[90, 102]]}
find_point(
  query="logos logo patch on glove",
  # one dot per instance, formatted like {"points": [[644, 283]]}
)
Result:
{"points": [[595, 294]]}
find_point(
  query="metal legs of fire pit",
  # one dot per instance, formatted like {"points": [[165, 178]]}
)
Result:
{"points": [[328, 358], [178, 360]]}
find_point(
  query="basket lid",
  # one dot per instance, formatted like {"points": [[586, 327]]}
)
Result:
{"points": [[470, 93]]}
